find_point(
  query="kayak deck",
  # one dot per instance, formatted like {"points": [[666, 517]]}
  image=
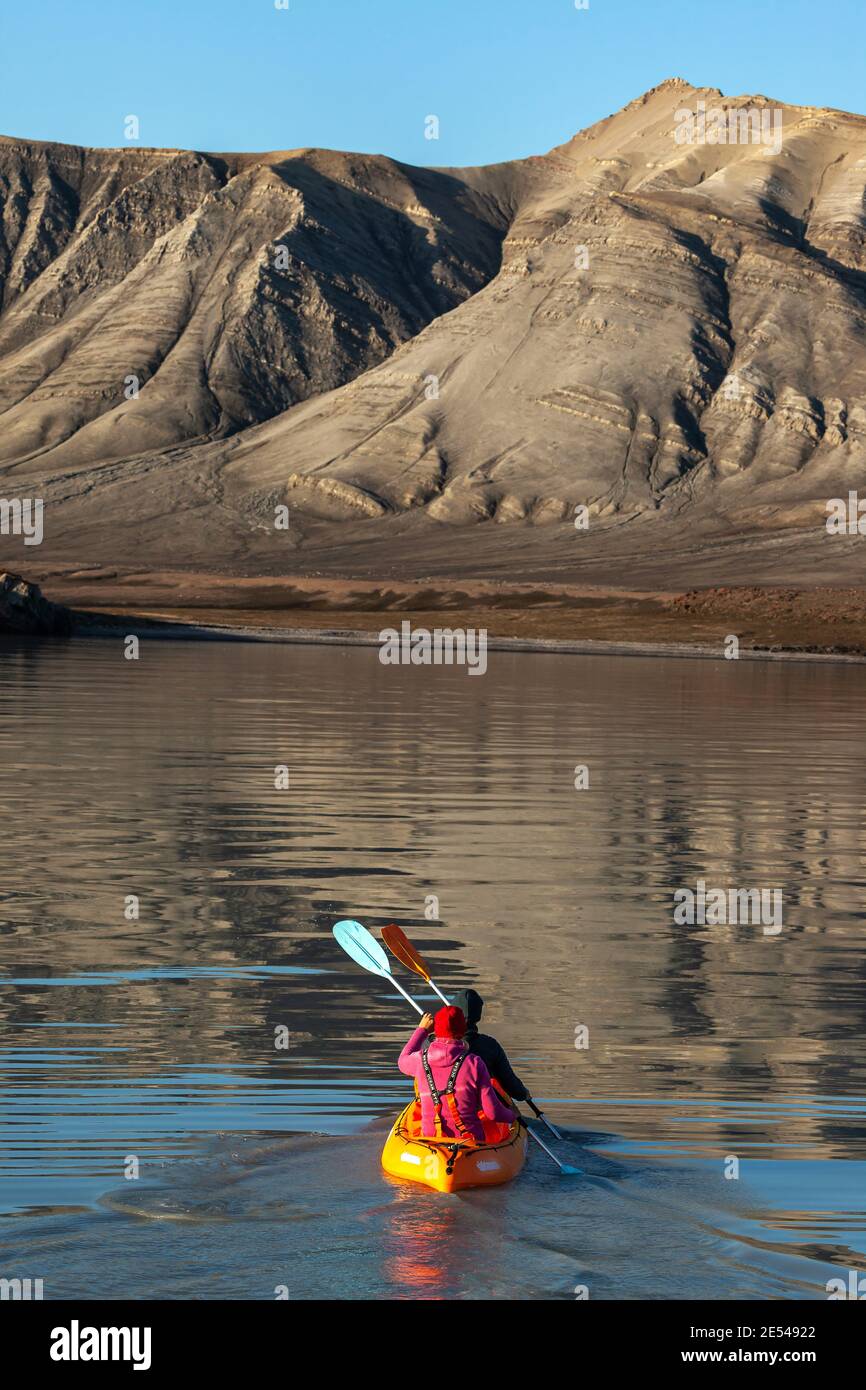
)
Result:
{"points": [[449, 1164]]}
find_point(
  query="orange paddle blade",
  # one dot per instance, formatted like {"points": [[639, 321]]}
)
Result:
{"points": [[400, 946]]}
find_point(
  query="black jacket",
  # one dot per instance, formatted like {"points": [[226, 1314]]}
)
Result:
{"points": [[487, 1048], [493, 1053]]}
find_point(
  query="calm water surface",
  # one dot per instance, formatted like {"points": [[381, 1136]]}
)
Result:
{"points": [[153, 1037]]}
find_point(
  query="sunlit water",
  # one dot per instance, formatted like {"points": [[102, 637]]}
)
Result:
{"points": [[154, 1039]]}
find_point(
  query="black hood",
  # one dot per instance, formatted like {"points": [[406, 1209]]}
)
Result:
{"points": [[471, 1003]]}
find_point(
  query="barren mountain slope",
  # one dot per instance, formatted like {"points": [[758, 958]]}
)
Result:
{"points": [[231, 287], [712, 348], [675, 338]]}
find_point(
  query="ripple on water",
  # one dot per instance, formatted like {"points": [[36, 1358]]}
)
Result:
{"points": [[142, 1033]]}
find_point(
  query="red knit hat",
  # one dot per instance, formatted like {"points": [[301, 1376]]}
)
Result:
{"points": [[449, 1023]]}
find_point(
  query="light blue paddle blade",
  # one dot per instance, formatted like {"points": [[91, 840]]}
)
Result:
{"points": [[357, 942]]}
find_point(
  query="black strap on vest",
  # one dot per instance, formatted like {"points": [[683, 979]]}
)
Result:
{"points": [[449, 1088]]}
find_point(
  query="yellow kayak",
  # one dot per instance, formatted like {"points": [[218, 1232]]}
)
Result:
{"points": [[449, 1164]]}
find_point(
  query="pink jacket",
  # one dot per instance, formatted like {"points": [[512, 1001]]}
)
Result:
{"points": [[473, 1090]]}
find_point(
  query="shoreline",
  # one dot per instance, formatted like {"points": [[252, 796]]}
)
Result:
{"points": [[162, 630], [771, 622]]}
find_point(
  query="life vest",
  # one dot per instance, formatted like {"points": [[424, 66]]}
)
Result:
{"points": [[447, 1095]]}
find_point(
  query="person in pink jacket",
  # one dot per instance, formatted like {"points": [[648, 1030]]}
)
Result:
{"points": [[450, 1076]]}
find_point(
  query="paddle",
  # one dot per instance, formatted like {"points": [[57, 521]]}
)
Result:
{"points": [[357, 942], [543, 1118], [565, 1168], [401, 947]]}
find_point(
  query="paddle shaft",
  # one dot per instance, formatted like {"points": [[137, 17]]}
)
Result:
{"points": [[563, 1167], [433, 985], [397, 985], [543, 1118]]}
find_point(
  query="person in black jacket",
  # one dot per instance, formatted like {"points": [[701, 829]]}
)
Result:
{"points": [[487, 1048]]}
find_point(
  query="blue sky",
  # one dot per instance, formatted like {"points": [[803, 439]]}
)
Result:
{"points": [[506, 78]]}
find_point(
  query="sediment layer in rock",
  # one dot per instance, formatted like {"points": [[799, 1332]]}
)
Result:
{"points": [[628, 324]]}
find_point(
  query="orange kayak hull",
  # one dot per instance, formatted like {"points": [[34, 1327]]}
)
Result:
{"points": [[446, 1165]]}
